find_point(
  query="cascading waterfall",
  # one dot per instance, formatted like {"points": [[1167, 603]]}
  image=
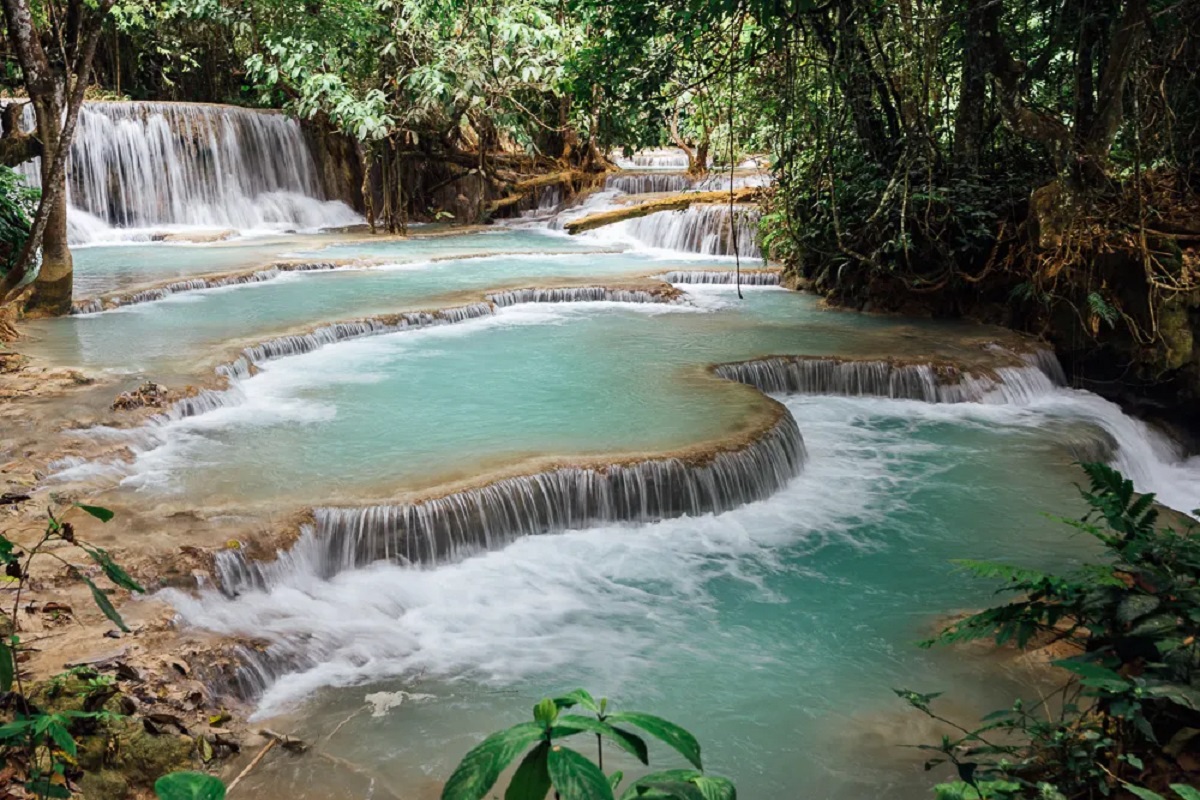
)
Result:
{"points": [[578, 294], [98, 304], [699, 229], [137, 165], [244, 366], [296, 344], [663, 158], [647, 183], [723, 277], [451, 527], [721, 181], [1148, 457], [926, 382]]}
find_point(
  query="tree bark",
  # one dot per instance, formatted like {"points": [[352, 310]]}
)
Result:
{"points": [[47, 91], [970, 122], [16, 146]]}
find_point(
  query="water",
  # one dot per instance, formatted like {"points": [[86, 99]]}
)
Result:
{"points": [[164, 340], [775, 629], [139, 167]]}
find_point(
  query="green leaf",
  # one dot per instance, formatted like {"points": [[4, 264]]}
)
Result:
{"points": [[62, 738], [1185, 696], [480, 767], [579, 697], [114, 572], [42, 787], [630, 743], [677, 790], [102, 514], [105, 604], [1145, 794], [576, 778], [714, 787], [545, 712], [8, 667], [189, 786], [1095, 675], [615, 779], [664, 777], [531, 781], [1185, 791], [678, 738], [15, 729]]}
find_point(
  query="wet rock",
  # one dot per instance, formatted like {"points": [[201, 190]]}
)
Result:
{"points": [[148, 395]]}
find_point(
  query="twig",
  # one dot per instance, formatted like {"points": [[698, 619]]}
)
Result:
{"points": [[339, 726], [253, 763]]}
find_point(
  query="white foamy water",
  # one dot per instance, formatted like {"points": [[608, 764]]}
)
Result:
{"points": [[137, 169], [566, 598], [569, 598]]}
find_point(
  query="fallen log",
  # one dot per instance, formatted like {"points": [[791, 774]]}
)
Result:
{"points": [[675, 202], [523, 188]]}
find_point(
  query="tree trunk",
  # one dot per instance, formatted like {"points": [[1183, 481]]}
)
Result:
{"points": [[52, 289], [698, 164], [970, 121], [48, 90]]}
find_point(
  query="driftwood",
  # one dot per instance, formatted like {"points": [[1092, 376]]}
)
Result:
{"points": [[522, 188], [675, 202]]}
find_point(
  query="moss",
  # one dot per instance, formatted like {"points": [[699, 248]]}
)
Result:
{"points": [[105, 784], [1178, 339], [144, 758]]}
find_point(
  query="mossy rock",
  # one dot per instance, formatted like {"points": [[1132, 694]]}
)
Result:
{"points": [[1178, 338], [141, 757], [105, 784]]}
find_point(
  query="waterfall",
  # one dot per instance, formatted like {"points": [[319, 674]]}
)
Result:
{"points": [[296, 344], [698, 229], [931, 383], [660, 158], [648, 183], [137, 165], [720, 181], [724, 276], [451, 527], [97, 304], [579, 294], [251, 357]]}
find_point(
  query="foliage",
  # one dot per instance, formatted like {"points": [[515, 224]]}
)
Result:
{"points": [[18, 202], [1129, 713], [552, 765], [189, 786], [41, 742]]}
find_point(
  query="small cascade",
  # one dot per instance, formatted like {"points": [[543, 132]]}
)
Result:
{"points": [[721, 181], [930, 383], [296, 344], [549, 199], [136, 165], [95, 305], [723, 277], [648, 183], [452, 527], [578, 294], [660, 158], [699, 229], [244, 366]]}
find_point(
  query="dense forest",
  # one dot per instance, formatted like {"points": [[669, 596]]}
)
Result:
{"points": [[1030, 164]]}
